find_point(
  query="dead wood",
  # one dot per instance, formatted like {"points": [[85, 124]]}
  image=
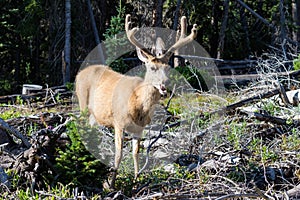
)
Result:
{"points": [[283, 95], [47, 95], [253, 99], [37, 158], [256, 14], [294, 97], [294, 74], [267, 118], [294, 192], [6, 127]]}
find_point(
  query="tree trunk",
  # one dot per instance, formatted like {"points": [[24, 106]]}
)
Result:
{"points": [[296, 20], [176, 15], [159, 10], [96, 34], [282, 27], [67, 51], [35, 71], [223, 29], [17, 68], [245, 28], [256, 14]]}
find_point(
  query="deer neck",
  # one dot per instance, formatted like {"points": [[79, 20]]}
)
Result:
{"points": [[141, 103], [147, 94]]}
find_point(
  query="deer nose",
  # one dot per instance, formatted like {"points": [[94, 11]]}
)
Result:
{"points": [[163, 88]]}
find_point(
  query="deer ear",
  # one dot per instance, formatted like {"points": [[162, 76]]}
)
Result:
{"points": [[143, 55], [159, 47]]}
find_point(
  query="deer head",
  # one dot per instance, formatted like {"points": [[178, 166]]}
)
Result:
{"points": [[156, 61]]}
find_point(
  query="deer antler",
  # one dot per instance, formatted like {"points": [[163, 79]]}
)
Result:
{"points": [[130, 35], [182, 40], [183, 27]]}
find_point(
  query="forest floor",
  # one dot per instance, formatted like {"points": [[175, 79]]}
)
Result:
{"points": [[244, 143]]}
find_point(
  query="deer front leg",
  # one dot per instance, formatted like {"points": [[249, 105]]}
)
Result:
{"points": [[135, 154], [118, 154]]}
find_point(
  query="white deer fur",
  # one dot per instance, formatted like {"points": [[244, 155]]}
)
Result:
{"points": [[124, 102]]}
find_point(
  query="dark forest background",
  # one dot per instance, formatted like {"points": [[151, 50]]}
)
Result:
{"points": [[33, 32]]}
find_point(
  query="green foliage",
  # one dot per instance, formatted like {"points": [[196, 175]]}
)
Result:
{"points": [[271, 107], [5, 86], [125, 180], [113, 41], [195, 77], [235, 132], [291, 142], [70, 86], [119, 65], [19, 100], [26, 194], [116, 22], [267, 154], [76, 164], [9, 114], [28, 71], [297, 63], [261, 151]]}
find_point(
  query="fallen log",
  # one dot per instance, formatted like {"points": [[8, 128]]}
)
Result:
{"points": [[266, 118], [50, 93], [231, 107]]}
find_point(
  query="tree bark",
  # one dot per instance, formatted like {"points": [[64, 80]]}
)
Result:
{"points": [[282, 27], [67, 49], [296, 20], [245, 28], [223, 29], [255, 14], [176, 15], [159, 10], [96, 34]]}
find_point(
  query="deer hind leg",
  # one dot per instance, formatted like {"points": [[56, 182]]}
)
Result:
{"points": [[135, 154], [82, 95], [118, 153]]}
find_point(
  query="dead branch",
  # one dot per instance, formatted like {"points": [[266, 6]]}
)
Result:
{"points": [[294, 192], [249, 100], [60, 91], [6, 127], [256, 14], [283, 95], [269, 118], [235, 196]]}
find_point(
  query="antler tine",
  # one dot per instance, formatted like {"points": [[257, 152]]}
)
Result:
{"points": [[181, 33], [130, 35], [182, 40], [183, 27]]}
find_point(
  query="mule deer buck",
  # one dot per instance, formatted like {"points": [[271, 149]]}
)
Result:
{"points": [[123, 102]]}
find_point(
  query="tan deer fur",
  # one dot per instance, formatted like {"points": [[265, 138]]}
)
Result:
{"points": [[123, 102]]}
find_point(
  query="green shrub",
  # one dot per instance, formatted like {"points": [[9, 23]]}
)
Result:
{"points": [[76, 164], [113, 41], [297, 63], [195, 77]]}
